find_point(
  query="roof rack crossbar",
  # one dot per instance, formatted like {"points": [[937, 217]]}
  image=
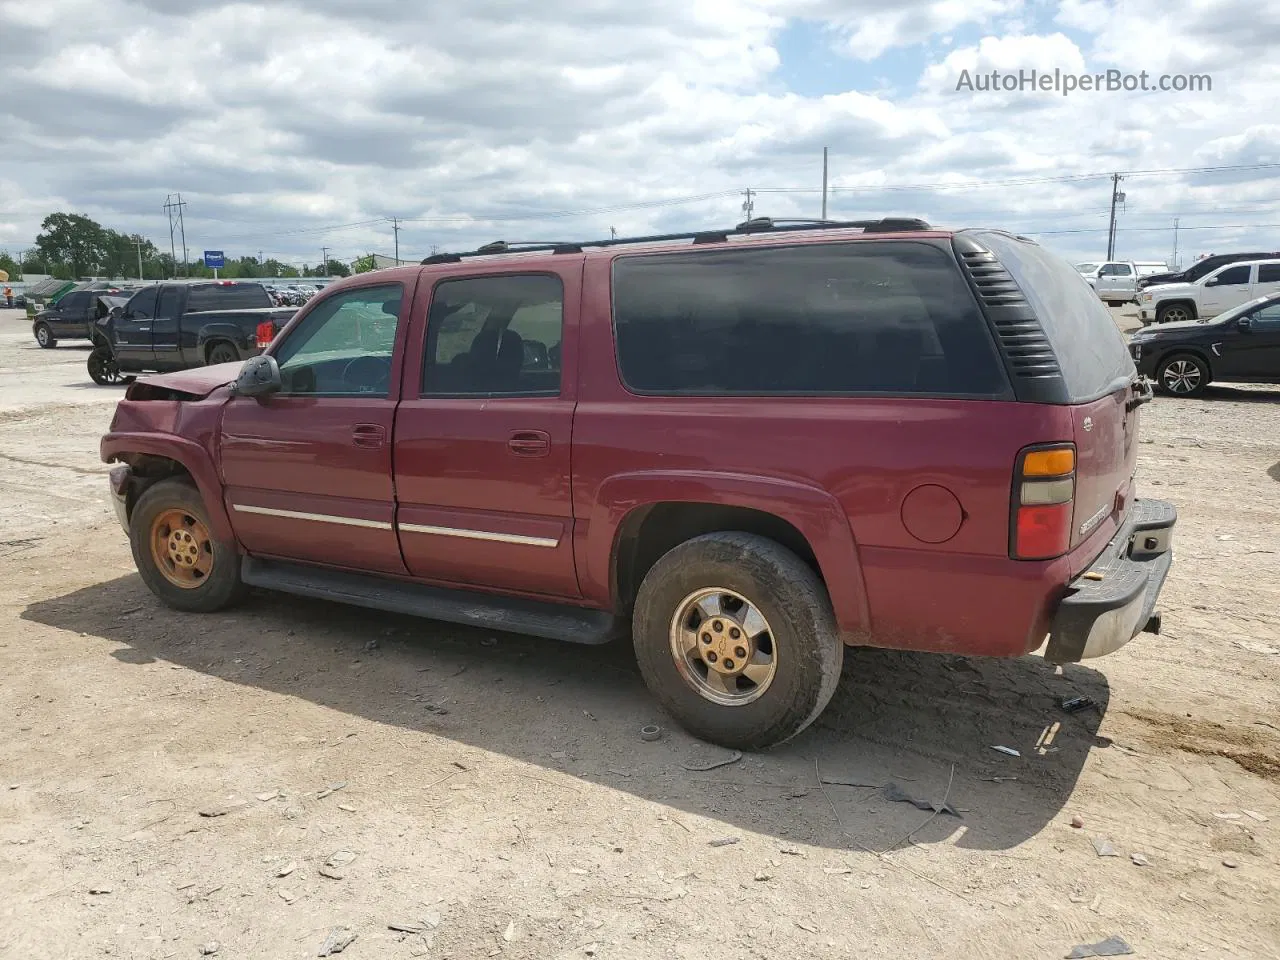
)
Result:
{"points": [[755, 226]]}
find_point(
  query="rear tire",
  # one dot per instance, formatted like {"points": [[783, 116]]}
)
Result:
{"points": [[1183, 375], [222, 352], [44, 336], [795, 650], [176, 554]]}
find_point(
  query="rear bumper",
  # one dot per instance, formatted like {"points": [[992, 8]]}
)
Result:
{"points": [[1115, 599]]}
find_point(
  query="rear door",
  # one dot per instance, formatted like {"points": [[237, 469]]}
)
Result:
{"points": [[1228, 287], [72, 313], [482, 444], [1268, 279], [165, 327], [1256, 347]]}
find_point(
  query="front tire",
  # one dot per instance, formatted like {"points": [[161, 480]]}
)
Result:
{"points": [[44, 336], [736, 638], [176, 554], [103, 369], [1174, 313], [1183, 375]]}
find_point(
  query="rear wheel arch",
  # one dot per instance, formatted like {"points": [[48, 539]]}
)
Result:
{"points": [[214, 343], [648, 532]]}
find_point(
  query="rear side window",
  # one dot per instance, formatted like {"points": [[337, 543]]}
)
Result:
{"points": [[1090, 350], [823, 319], [170, 302], [495, 336], [236, 296], [1269, 273]]}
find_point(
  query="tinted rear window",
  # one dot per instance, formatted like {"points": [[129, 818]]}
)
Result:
{"points": [[1090, 350], [821, 319], [237, 296]]}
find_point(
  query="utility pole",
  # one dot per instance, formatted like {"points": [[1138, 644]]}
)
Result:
{"points": [[182, 229], [324, 259], [173, 253], [1116, 197], [395, 225], [748, 205], [613, 233], [1174, 264], [824, 183], [137, 242]]}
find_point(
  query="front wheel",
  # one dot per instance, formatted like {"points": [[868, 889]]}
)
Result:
{"points": [[735, 637], [176, 554], [44, 336], [1174, 313], [1183, 375], [103, 369]]}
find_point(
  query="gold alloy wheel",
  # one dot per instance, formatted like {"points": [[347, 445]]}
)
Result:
{"points": [[723, 647], [181, 548]]}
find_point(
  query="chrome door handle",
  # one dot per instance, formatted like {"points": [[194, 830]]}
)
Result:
{"points": [[530, 443]]}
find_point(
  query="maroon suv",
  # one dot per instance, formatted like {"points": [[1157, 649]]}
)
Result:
{"points": [[750, 448]]}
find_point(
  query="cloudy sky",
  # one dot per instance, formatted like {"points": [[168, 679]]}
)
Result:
{"points": [[291, 126]]}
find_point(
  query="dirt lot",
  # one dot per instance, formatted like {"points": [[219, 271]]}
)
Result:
{"points": [[497, 801]]}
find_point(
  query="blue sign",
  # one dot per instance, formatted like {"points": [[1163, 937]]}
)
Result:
{"points": [[213, 259]]}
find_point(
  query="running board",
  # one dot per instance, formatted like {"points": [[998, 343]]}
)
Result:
{"points": [[487, 611]]}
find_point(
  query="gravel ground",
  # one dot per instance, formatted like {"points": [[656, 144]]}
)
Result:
{"points": [[258, 778]]}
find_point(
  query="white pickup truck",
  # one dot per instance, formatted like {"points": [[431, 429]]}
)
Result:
{"points": [[1214, 293], [1116, 281]]}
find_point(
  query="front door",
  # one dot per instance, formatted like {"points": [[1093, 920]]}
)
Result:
{"points": [[132, 330], [1253, 351], [1229, 287], [307, 470], [482, 443]]}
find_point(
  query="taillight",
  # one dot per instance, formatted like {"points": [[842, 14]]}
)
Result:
{"points": [[266, 333], [1044, 490]]}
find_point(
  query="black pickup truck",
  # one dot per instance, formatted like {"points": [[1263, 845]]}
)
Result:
{"points": [[173, 326]]}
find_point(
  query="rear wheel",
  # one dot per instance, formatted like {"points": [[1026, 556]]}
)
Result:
{"points": [[736, 638], [1183, 375], [44, 336], [1174, 313], [223, 352], [176, 554]]}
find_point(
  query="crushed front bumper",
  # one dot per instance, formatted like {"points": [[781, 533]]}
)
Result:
{"points": [[1115, 599]]}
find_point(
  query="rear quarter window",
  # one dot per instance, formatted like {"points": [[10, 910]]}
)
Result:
{"points": [[1090, 350], [238, 296], [832, 319]]}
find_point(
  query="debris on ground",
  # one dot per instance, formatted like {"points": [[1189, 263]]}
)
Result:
{"points": [[762, 876], [650, 732], [1227, 816], [725, 841], [1077, 821], [1252, 815], [848, 782], [210, 948], [510, 933], [371, 645], [559, 755], [340, 858], [339, 939], [734, 757], [895, 794], [1007, 751], [286, 896], [347, 807], [1077, 704], [99, 891], [792, 852], [1105, 847], [269, 795], [287, 869], [331, 789], [220, 811], [330, 873], [411, 926], [1140, 859], [1111, 947], [808, 927], [1231, 864]]}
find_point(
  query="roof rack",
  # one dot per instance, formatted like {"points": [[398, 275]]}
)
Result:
{"points": [[753, 226]]}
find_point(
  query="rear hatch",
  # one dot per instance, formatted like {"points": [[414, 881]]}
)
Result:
{"points": [[1089, 371]]}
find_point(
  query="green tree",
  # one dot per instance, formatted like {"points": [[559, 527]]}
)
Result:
{"points": [[10, 266], [74, 243], [365, 264]]}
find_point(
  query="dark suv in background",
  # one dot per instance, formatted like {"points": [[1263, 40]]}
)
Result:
{"points": [[72, 314], [749, 448]]}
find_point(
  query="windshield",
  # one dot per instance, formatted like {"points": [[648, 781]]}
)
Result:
{"points": [[1086, 267]]}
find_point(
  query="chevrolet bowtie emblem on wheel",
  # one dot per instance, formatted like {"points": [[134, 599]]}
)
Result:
{"points": [[1088, 424]]}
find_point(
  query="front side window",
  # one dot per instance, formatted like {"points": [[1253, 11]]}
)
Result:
{"points": [[864, 317], [1234, 276], [344, 347], [143, 305], [495, 336], [1266, 320]]}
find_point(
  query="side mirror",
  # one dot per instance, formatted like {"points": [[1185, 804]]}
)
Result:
{"points": [[1244, 323], [1211, 282], [258, 377], [116, 313]]}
